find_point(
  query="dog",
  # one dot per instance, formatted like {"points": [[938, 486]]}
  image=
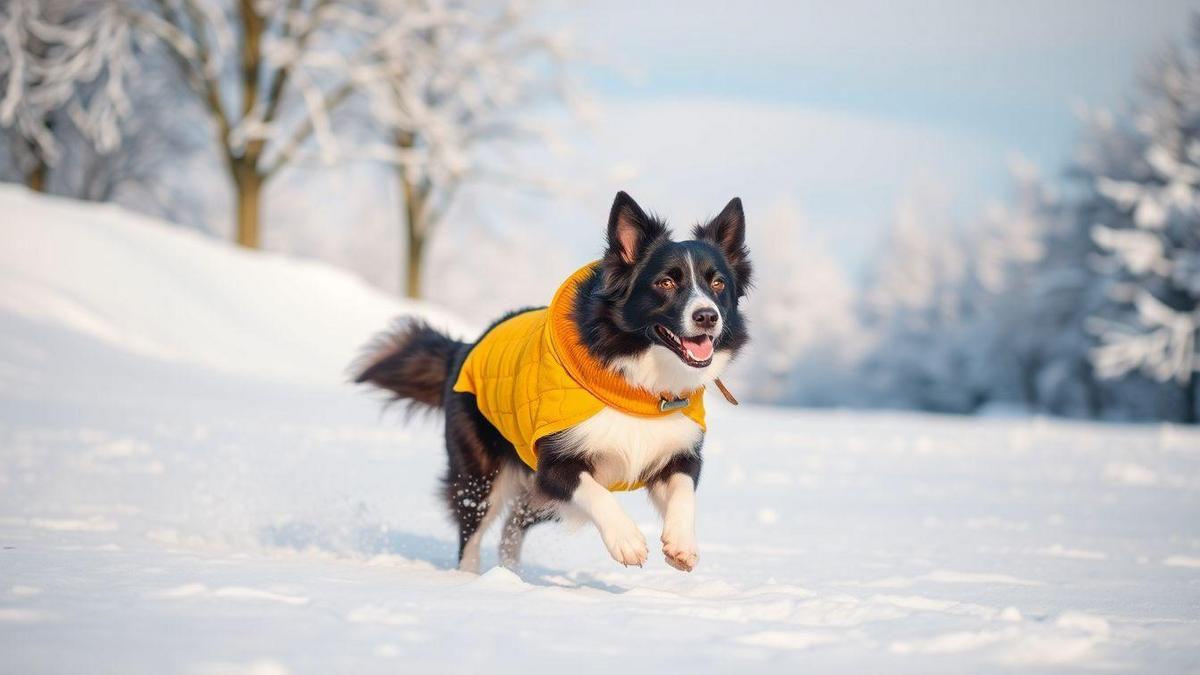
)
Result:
{"points": [[554, 408]]}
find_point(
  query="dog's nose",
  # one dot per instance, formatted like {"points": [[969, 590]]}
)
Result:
{"points": [[706, 317]]}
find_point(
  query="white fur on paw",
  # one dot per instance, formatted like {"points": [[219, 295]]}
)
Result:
{"points": [[626, 544], [680, 551]]}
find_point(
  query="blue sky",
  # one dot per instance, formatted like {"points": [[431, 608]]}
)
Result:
{"points": [[798, 99], [1010, 70]]}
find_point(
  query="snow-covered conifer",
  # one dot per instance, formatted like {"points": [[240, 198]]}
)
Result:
{"points": [[1143, 213]]}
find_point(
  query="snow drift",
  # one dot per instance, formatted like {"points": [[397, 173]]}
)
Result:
{"points": [[171, 293]]}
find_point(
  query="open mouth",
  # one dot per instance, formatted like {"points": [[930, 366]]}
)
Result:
{"points": [[695, 351]]}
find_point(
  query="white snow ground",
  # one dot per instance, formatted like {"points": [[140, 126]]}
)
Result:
{"points": [[185, 486]]}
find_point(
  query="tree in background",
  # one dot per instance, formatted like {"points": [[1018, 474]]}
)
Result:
{"points": [[437, 77], [451, 90], [804, 326], [1143, 212], [1071, 284], [432, 86], [915, 311], [1045, 302], [1086, 304], [269, 74], [1005, 249], [159, 136], [950, 308], [66, 67]]}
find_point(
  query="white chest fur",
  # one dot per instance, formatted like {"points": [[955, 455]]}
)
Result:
{"points": [[659, 370], [623, 448]]}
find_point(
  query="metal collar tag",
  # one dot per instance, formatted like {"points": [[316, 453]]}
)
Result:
{"points": [[667, 406]]}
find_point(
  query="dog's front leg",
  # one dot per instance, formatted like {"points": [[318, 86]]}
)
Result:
{"points": [[571, 481], [622, 538], [673, 493]]}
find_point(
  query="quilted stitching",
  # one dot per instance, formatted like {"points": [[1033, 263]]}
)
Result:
{"points": [[524, 389]]}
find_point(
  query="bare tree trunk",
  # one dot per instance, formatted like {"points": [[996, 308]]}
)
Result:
{"points": [[413, 267], [412, 210], [248, 180], [36, 178], [247, 184], [247, 172], [414, 238]]}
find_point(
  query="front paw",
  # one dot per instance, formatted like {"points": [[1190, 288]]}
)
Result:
{"points": [[680, 551], [625, 543]]}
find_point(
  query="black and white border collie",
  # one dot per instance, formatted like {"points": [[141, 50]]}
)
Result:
{"points": [[664, 314]]}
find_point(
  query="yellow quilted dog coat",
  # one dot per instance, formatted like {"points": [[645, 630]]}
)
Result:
{"points": [[532, 377]]}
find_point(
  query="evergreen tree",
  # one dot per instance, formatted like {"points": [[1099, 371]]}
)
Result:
{"points": [[1143, 213], [914, 309]]}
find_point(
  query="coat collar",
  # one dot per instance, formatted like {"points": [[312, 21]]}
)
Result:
{"points": [[598, 380]]}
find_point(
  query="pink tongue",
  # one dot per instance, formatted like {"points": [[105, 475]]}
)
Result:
{"points": [[699, 348]]}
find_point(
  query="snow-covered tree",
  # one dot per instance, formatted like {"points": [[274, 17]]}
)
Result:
{"points": [[431, 86], [802, 311], [144, 171], [452, 87], [269, 74], [913, 309], [1143, 213], [63, 63], [1005, 248], [436, 77], [950, 307]]}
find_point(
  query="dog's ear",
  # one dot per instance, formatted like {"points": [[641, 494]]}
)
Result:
{"points": [[630, 230], [728, 232]]}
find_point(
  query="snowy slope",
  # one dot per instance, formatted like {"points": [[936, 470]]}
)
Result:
{"points": [[172, 293], [199, 514]]}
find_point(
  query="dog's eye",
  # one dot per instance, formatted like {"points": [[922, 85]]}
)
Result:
{"points": [[718, 285], [665, 283]]}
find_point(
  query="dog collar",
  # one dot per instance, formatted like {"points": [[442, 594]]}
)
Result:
{"points": [[668, 403]]}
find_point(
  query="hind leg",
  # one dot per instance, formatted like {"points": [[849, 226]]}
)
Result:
{"points": [[471, 504], [478, 478], [523, 516], [476, 502]]}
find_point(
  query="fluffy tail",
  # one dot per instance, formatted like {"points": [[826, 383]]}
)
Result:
{"points": [[412, 361]]}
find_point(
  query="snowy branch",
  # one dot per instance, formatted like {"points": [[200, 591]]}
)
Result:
{"points": [[1163, 344], [77, 58]]}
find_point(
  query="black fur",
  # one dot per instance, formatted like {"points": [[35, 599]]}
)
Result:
{"points": [[616, 311], [476, 454], [559, 467], [617, 307], [411, 362], [728, 233], [687, 463]]}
